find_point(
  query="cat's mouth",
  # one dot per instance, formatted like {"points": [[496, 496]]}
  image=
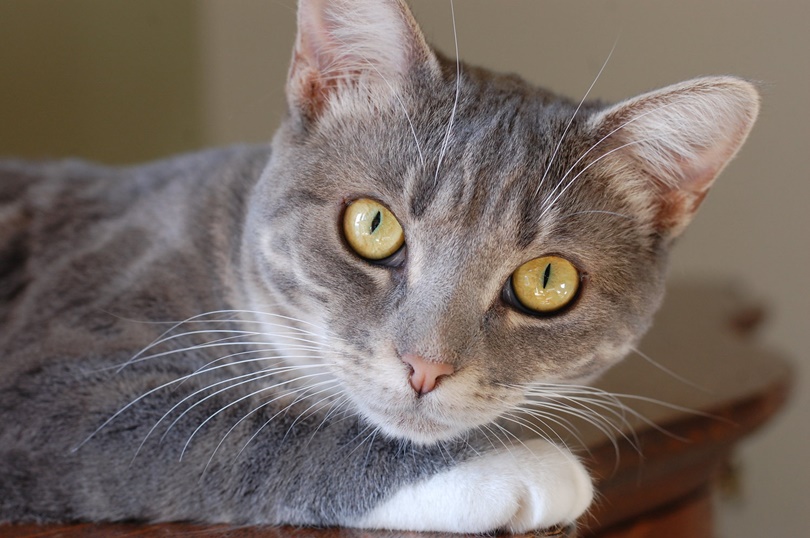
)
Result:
{"points": [[427, 419], [418, 427]]}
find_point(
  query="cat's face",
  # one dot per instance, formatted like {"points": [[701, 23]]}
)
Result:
{"points": [[482, 176]]}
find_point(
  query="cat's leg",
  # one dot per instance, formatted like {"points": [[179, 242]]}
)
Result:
{"points": [[525, 487]]}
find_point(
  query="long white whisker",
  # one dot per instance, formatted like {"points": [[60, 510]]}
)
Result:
{"points": [[370, 444], [597, 211], [335, 407], [547, 206], [198, 317], [588, 415], [303, 413], [616, 397], [207, 367], [140, 357], [484, 433], [669, 372], [223, 343], [505, 446], [246, 378], [138, 399], [366, 438], [543, 418], [573, 116], [252, 394], [253, 375], [446, 141], [599, 142], [605, 403], [256, 409]]}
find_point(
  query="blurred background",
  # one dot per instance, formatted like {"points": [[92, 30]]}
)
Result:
{"points": [[122, 81]]}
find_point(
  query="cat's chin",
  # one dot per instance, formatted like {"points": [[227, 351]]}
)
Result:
{"points": [[417, 426], [421, 431]]}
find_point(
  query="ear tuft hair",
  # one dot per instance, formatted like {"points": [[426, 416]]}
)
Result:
{"points": [[351, 45], [680, 138]]}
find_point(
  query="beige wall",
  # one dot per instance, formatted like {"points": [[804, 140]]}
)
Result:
{"points": [[754, 229], [112, 80], [122, 80]]}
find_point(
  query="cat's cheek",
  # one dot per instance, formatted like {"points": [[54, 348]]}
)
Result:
{"points": [[528, 487]]}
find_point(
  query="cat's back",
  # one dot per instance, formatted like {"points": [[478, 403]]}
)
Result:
{"points": [[76, 239]]}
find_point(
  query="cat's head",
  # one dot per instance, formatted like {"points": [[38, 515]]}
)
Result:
{"points": [[463, 234]]}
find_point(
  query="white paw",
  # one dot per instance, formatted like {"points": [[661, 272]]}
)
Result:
{"points": [[528, 487]]}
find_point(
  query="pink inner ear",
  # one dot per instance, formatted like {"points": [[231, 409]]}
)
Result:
{"points": [[680, 199], [351, 45], [700, 171]]}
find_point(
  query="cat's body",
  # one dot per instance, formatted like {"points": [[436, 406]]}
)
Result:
{"points": [[290, 393]]}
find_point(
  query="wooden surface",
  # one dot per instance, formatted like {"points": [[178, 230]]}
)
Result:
{"points": [[714, 385]]}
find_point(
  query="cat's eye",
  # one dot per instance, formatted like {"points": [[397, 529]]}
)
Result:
{"points": [[545, 285], [372, 230]]}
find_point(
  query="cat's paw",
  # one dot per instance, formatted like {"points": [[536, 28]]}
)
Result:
{"points": [[528, 487]]}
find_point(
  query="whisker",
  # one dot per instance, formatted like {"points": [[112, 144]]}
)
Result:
{"points": [[222, 342], [366, 438], [303, 413], [241, 399], [595, 419], [446, 142], [548, 205], [614, 400], [670, 372], [198, 318], [606, 403], [511, 435], [336, 405], [208, 367], [484, 433], [141, 397], [573, 116], [505, 446], [603, 139], [616, 397], [542, 418], [370, 444], [597, 211], [258, 408], [247, 378]]}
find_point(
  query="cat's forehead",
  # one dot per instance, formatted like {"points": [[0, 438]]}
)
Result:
{"points": [[508, 151]]}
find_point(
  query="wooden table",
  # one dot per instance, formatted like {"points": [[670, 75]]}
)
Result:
{"points": [[659, 488]]}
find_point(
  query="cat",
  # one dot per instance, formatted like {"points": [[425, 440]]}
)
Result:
{"points": [[341, 327]]}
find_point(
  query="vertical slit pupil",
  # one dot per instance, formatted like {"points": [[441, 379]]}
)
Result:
{"points": [[375, 222], [546, 275]]}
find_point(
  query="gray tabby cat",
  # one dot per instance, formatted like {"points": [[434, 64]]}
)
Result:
{"points": [[355, 310]]}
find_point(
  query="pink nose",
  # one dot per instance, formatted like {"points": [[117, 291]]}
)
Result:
{"points": [[425, 374]]}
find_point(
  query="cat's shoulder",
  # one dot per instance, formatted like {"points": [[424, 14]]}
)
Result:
{"points": [[62, 219], [23, 179], [51, 194]]}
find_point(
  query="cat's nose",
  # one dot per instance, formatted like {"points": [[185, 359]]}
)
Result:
{"points": [[425, 373]]}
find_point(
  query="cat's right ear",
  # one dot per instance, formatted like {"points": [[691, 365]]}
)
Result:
{"points": [[352, 49]]}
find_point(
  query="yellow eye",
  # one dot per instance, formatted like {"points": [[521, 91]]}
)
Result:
{"points": [[545, 284], [371, 230]]}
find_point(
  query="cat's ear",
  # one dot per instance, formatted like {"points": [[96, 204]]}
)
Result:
{"points": [[678, 139], [352, 48]]}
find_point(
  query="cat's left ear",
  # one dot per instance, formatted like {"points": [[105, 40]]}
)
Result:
{"points": [[678, 140], [353, 49]]}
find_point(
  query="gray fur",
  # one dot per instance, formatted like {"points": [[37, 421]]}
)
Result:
{"points": [[91, 257]]}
